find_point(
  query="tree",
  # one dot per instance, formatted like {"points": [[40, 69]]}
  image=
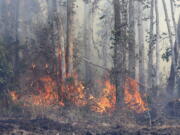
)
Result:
{"points": [[172, 78], [120, 12], [178, 59], [173, 71], [58, 42], [157, 48], [131, 47], [141, 44], [70, 36], [88, 39], [151, 43]]}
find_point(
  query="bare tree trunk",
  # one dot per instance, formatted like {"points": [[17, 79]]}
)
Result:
{"points": [[70, 40], [176, 46], [157, 48], [88, 39], [119, 51], [141, 45], [16, 42], [131, 47], [170, 39], [178, 59], [59, 44], [173, 15], [151, 43]]}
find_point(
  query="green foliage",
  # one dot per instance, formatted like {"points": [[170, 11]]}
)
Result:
{"points": [[167, 54]]}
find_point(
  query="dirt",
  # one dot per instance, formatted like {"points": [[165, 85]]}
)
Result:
{"points": [[45, 126]]}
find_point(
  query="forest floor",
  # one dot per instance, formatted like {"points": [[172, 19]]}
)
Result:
{"points": [[45, 126]]}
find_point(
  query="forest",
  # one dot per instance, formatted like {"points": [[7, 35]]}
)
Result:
{"points": [[89, 67]]}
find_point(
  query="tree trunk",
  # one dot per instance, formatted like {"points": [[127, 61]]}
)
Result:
{"points": [[131, 47], [151, 43], [141, 45], [176, 46], [178, 59], [119, 51], [59, 45], [170, 41], [157, 48], [88, 39], [70, 40]]}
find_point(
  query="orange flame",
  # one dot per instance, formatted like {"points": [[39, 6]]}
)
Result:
{"points": [[71, 89], [47, 95], [132, 96], [106, 103], [14, 96], [74, 90]]}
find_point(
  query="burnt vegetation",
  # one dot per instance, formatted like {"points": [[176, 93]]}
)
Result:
{"points": [[89, 67]]}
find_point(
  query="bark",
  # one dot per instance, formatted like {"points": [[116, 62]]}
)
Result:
{"points": [[173, 16], [170, 41], [119, 52], [131, 47], [59, 45], [88, 39], [151, 43], [157, 48], [178, 59], [141, 45], [70, 40], [176, 46], [16, 70]]}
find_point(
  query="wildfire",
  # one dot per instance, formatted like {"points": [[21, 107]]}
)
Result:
{"points": [[74, 90], [106, 103], [14, 96], [47, 95], [132, 96]]}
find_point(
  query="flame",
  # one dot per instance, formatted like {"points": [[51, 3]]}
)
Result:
{"points": [[47, 95], [14, 96], [132, 96], [74, 90], [106, 103]]}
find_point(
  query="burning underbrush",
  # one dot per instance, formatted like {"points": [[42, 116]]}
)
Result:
{"points": [[132, 96], [72, 91]]}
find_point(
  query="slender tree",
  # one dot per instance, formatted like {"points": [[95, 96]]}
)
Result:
{"points": [[176, 46], [178, 59], [70, 37], [120, 13], [131, 47], [151, 43], [171, 44], [141, 44], [58, 41], [157, 47], [88, 39]]}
